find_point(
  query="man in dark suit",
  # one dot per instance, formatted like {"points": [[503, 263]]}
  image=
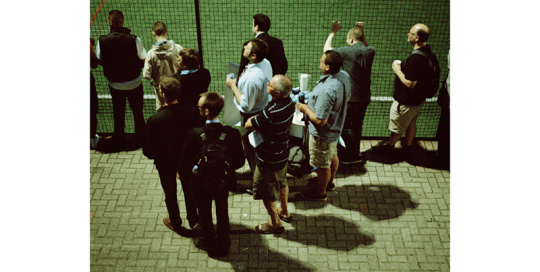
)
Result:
{"points": [[216, 242], [165, 134], [276, 53]]}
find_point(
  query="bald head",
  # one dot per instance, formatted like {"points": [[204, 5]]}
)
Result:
{"points": [[422, 31], [283, 85]]}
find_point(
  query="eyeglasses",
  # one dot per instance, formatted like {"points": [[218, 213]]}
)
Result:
{"points": [[200, 108]]}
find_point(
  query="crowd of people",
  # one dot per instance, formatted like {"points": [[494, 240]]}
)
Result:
{"points": [[186, 139]]}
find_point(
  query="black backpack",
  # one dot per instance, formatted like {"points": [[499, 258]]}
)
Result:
{"points": [[434, 73], [213, 170]]}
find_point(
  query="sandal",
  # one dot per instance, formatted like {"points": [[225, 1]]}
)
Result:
{"points": [[265, 229], [285, 219]]}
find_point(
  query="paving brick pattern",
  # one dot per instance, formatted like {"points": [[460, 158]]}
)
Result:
{"points": [[385, 217]]}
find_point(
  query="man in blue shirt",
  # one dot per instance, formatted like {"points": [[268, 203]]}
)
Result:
{"points": [[250, 94], [326, 113]]}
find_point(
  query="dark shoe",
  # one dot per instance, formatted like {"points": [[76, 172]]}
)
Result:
{"points": [[206, 245], [331, 187], [248, 190], [406, 151], [383, 149], [285, 219], [312, 195], [167, 223], [265, 229], [222, 248]]}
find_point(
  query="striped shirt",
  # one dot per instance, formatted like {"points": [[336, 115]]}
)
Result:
{"points": [[274, 123]]}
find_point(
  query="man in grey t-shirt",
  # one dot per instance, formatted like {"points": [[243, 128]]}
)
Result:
{"points": [[326, 113], [357, 60]]}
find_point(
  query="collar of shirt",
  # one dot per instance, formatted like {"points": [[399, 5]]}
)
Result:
{"points": [[323, 79], [185, 72], [259, 34], [161, 43], [212, 121]]}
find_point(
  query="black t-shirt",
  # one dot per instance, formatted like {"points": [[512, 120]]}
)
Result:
{"points": [[416, 68]]}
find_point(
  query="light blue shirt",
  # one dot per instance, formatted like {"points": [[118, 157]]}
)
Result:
{"points": [[252, 85], [212, 121], [186, 72], [329, 101]]}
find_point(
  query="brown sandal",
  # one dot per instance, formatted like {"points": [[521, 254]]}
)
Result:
{"points": [[266, 229]]}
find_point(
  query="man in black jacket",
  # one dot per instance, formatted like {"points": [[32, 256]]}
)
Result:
{"points": [[276, 53], [165, 134], [122, 56], [210, 104]]}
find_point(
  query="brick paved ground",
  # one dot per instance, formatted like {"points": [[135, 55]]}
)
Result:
{"points": [[389, 215]]}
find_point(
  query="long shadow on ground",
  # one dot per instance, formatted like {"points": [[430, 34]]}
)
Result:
{"points": [[105, 145], [327, 231], [376, 202], [250, 251], [418, 157]]}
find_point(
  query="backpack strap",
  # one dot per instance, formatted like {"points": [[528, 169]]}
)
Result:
{"points": [[421, 53]]}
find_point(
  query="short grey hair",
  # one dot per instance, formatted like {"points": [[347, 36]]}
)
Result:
{"points": [[283, 85]]}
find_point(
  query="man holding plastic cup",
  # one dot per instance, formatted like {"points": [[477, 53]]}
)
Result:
{"points": [[326, 113]]}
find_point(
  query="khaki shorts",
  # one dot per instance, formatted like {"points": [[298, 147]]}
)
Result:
{"points": [[321, 152], [402, 117], [268, 183]]}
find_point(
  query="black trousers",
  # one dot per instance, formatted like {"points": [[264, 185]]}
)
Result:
{"points": [[135, 98], [352, 129], [167, 176], [220, 236]]}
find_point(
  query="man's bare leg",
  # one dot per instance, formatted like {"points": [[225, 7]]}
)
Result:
{"points": [[394, 137], [409, 135], [283, 201], [271, 207], [323, 177], [333, 169]]}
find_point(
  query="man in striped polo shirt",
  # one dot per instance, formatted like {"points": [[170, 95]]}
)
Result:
{"points": [[272, 153]]}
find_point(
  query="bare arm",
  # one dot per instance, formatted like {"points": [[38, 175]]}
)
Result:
{"points": [[336, 26], [311, 114], [397, 69], [248, 124]]}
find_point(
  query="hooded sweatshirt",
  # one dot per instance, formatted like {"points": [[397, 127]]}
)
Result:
{"points": [[161, 61]]}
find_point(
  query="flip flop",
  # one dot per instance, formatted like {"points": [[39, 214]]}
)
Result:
{"points": [[285, 219], [265, 229]]}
